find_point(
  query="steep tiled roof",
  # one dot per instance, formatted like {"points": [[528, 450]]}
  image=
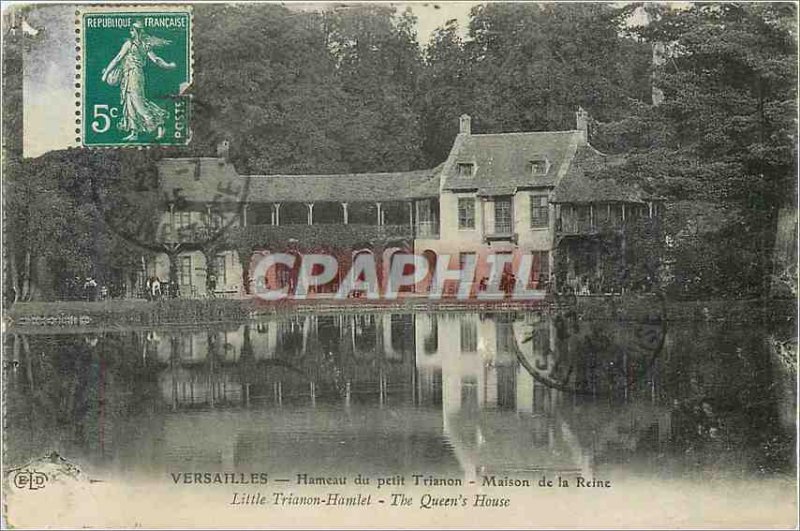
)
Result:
{"points": [[502, 162], [346, 187], [502, 165], [201, 179], [210, 179], [579, 185]]}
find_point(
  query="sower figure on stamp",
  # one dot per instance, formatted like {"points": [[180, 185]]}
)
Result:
{"points": [[139, 115]]}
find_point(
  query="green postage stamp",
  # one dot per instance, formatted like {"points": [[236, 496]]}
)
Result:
{"points": [[134, 67]]}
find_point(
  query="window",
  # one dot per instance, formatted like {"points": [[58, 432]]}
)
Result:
{"points": [[540, 211], [469, 335], [185, 278], [502, 216], [540, 269], [219, 270], [538, 167], [465, 169], [466, 212]]}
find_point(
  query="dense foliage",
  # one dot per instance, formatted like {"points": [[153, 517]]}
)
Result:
{"points": [[722, 145], [349, 89]]}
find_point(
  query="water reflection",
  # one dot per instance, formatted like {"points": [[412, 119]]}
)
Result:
{"points": [[463, 394]]}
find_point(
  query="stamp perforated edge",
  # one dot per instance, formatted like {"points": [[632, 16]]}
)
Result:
{"points": [[80, 51]]}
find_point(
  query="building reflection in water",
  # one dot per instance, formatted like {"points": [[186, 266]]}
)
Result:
{"points": [[461, 393]]}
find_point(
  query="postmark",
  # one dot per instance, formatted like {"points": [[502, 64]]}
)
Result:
{"points": [[133, 69], [586, 358]]}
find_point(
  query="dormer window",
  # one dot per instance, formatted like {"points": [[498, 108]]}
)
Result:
{"points": [[538, 166], [465, 169]]}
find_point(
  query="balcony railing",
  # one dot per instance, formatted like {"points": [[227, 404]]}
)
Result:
{"points": [[585, 226], [303, 232], [498, 236], [193, 234], [427, 229], [320, 236]]}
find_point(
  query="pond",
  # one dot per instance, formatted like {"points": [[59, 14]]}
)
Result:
{"points": [[458, 395]]}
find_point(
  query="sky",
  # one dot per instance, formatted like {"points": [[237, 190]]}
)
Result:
{"points": [[430, 15], [47, 83], [434, 15]]}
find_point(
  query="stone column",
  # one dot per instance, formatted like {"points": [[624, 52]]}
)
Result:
{"points": [[380, 214], [244, 214], [344, 213], [310, 213], [277, 212], [411, 216]]}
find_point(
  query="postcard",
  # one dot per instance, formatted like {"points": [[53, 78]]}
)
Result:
{"points": [[399, 265]]}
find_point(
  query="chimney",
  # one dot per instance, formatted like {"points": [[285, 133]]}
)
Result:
{"points": [[465, 124], [223, 149], [582, 124]]}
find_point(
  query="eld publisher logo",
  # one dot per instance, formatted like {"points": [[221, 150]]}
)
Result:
{"points": [[29, 479]]}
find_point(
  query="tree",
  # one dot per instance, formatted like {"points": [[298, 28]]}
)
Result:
{"points": [[281, 107], [528, 67], [326, 92], [724, 134], [378, 64], [447, 89]]}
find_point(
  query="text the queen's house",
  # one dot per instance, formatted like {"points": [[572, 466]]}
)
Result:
{"points": [[514, 194]]}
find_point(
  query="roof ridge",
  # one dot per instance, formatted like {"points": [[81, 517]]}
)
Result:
{"points": [[331, 175], [520, 133], [192, 159], [185, 159]]}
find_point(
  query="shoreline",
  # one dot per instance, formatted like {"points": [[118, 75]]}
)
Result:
{"points": [[79, 315]]}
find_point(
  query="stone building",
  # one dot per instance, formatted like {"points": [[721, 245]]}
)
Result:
{"points": [[505, 194]]}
